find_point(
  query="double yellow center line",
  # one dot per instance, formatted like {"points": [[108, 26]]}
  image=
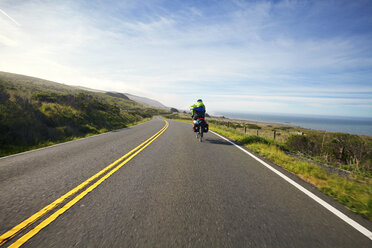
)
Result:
{"points": [[114, 166]]}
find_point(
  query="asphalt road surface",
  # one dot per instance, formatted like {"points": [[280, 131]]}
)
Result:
{"points": [[175, 192]]}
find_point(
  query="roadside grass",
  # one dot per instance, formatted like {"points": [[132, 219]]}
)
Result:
{"points": [[356, 195], [13, 149]]}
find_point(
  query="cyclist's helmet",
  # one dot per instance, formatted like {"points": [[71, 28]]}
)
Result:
{"points": [[199, 100]]}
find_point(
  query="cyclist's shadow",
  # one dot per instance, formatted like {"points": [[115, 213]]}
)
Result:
{"points": [[218, 142]]}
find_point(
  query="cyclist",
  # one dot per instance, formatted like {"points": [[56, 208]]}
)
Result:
{"points": [[198, 114], [198, 110]]}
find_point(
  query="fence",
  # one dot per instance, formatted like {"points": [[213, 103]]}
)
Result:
{"points": [[279, 134]]}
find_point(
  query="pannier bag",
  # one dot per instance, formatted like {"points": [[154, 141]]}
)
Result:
{"points": [[195, 127], [206, 128]]}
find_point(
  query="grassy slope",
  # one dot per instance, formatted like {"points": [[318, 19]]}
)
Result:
{"points": [[36, 113], [354, 192]]}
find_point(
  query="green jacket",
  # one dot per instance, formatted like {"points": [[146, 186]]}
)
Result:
{"points": [[198, 106]]}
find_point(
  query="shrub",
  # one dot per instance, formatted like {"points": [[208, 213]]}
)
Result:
{"points": [[298, 143], [44, 97], [4, 96], [340, 148], [284, 128], [245, 140], [253, 126]]}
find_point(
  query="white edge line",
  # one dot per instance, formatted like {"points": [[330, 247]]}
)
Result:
{"points": [[70, 141], [332, 209]]}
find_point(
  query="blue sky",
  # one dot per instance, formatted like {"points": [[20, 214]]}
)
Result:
{"points": [[304, 57]]}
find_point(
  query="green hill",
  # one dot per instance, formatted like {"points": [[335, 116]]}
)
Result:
{"points": [[36, 112]]}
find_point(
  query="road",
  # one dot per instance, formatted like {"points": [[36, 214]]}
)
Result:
{"points": [[176, 192]]}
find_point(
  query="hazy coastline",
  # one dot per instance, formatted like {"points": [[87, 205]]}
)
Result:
{"points": [[351, 125]]}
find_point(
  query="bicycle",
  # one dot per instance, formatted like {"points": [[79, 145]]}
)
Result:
{"points": [[201, 127]]}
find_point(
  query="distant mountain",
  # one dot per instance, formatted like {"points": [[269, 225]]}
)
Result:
{"points": [[119, 95], [89, 89], [146, 101]]}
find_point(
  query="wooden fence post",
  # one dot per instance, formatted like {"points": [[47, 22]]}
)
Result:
{"points": [[228, 124], [257, 132], [274, 134], [245, 129]]}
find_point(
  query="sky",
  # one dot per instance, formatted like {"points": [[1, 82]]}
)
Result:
{"points": [[290, 57]]}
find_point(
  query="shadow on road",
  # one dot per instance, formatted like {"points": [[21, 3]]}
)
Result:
{"points": [[119, 130], [218, 142], [115, 131]]}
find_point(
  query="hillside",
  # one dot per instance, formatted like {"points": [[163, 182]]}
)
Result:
{"points": [[36, 112]]}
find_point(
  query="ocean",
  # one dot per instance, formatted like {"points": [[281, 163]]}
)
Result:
{"points": [[351, 125]]}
